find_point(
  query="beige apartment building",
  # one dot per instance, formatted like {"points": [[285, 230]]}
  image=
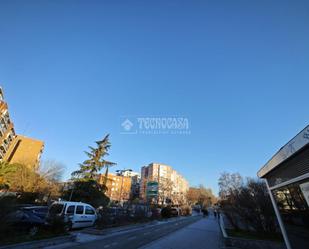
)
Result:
{"points": [[118, 187], [171, 185], [16, 148]]}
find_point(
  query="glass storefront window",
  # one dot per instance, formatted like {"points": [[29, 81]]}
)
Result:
{"points": [[294, 210]]}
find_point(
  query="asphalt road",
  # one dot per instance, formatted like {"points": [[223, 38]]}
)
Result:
{"points": [[137, 238]]}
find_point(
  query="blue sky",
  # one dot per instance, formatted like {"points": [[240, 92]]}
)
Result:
{"points": [[238, 70]]}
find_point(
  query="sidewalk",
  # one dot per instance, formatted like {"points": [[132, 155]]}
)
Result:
{"points": [[204, 234], [90, 235]]}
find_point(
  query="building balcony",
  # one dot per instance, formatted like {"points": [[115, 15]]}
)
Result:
{"points": [[3, 107], [4, 132]]}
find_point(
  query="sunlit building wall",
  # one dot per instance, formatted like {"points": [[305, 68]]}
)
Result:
{"points": [[163, 174], [118, 187], [16, 148]]}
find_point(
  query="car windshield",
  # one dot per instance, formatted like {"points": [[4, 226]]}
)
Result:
{"points": [[56, 208]]}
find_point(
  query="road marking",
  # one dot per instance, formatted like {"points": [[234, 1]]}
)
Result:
{"points": [[131, 238], [106, 246]]}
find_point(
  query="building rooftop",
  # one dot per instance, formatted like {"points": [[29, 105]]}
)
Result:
{"points": [[285, 152]]}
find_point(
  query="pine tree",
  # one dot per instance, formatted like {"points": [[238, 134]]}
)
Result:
{"points": [[90, 168]]}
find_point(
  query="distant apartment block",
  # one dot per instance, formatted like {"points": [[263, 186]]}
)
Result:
{"points": [[118, 187], [135, 183], [164, 174], [15, 148], [131, 174]]}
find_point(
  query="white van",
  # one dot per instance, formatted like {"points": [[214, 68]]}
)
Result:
{"points": [[78, 213]]}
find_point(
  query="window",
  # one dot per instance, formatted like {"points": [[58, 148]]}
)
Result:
{"points": [[2, 149], [56, 208], [294, 209], [71, 209], [89, 210], [79, 210]]}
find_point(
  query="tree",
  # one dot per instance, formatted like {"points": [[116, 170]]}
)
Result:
{"points": [[85, 186], [193, 195], [165, 190], [201, 196], [23, 179], [52, 170], [5, 170], [228, 183], [247, 203], [206, 197], [91, 167], [253, 204], [89, 191]]}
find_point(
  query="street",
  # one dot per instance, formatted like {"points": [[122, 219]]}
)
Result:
{"points": [[203, 234], [179, 233]]}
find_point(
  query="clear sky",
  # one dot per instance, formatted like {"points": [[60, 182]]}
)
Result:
{"points": [[238, 70]]}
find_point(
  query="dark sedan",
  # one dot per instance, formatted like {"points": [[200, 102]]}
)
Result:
{"points": [[25, 220]]}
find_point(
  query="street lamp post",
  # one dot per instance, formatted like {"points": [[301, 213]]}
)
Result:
{"points": [[120, 172]]}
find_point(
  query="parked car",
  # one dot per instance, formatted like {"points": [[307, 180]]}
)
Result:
{"points": [[40, 211], [168, 212], [156, 212], [25, 220], [74, 214]]}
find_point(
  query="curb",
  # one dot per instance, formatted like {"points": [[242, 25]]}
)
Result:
{"points": [[237, 242], [41, 243]]}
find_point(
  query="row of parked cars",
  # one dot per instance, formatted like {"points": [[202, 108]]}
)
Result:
{"points": [[32, 218], [74, 215]]}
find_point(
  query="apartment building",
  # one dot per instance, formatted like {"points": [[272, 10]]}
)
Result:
{"points": [[171, 185], [26, 151], [16, 148], [135, 183], [7, 132], [118, 187], [131, 174]]}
